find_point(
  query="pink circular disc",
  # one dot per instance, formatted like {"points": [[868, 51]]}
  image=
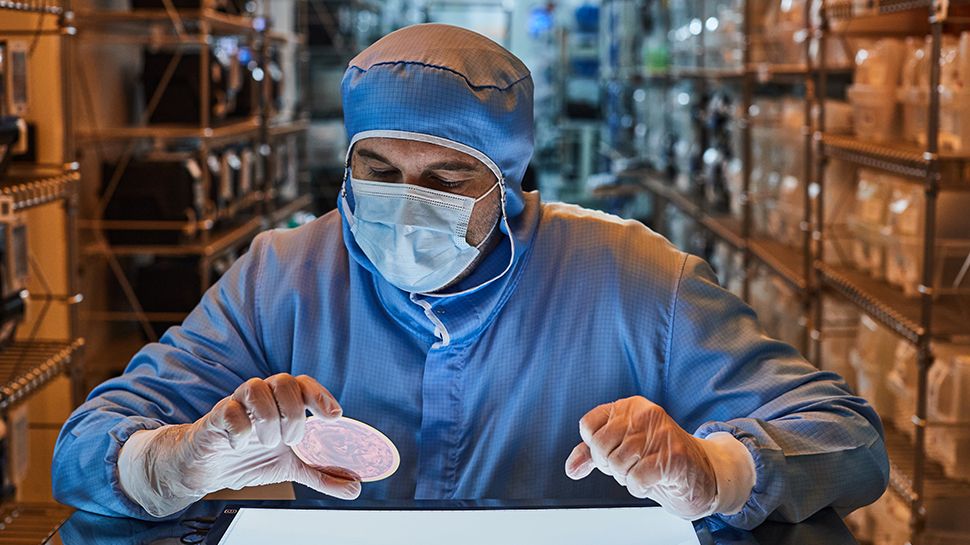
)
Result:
{"points": [[349, 444]]}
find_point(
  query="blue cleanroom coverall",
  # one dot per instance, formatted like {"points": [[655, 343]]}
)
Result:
{"points": [[482, 392]]}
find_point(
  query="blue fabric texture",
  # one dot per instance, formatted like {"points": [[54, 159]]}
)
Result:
{"points": [[594, 309]]}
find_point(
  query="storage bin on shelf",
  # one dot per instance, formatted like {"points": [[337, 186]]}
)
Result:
{"points": [[723, 34], [913, 93], [874, 112], [868, 248], [840, 326], [948, 410], [872, 358], [777, 193], [904, 244], [873, 93], [902, 383], [954, 117], [777, 305], [840, 189], [785, 218], [914, 106], [685, 142], [904, 264], [867, 223], [784, 32]]}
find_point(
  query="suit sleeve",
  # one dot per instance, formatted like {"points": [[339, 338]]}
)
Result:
{"points": [[813, 442], [174, 381]]}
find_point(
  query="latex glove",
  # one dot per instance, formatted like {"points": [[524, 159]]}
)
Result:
{"points": [[645, 450], [244, 441]]}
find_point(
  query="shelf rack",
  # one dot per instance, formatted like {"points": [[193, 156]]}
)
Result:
{"points": [[214, 135], [31, 186], [219, 243], [782, 260], [34, 185], [25, 367], [908, 161], [936, 485], [32, 6], [218, 236], [919, 320]]}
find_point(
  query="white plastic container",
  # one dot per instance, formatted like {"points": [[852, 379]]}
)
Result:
{"points": [[904, 262], [868, 249], [867, 223], [872, 359], [874, 112], [914, 105], [954, 117], [785, 219], [902, 384], [948, 402], [954, 120], [841, 322], [904, 246]]}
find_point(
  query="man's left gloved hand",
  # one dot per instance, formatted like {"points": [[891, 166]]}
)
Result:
{"points": [[645, 450]]}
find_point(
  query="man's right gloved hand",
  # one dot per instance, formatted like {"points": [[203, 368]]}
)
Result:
{"points": [[244, 441]]}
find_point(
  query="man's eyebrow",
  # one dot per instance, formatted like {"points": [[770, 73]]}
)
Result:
{"points": [[373, 155], [452, 165]]}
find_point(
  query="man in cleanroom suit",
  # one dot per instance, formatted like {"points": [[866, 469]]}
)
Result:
{"points": [[510, 348]]}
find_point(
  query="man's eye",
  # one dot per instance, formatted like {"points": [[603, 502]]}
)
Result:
{"points": [[447, 183], [382, 171]]}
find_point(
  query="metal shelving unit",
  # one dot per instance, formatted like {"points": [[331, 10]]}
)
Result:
{"points": [[909, 161], [29, 363], [217, 245], [212, 135], [931, 316], [781, 259], [226, 229], [49, 7], [935, 315], [25, 367], [793, 265], [33, 186]]}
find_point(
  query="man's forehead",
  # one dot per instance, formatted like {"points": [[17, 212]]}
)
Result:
{"points": [[402, 150]]}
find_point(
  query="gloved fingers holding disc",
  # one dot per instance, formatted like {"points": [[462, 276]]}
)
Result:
{"points": [[318, 399], [229, 417], [332, 481], [257, 398], [292, 408]]}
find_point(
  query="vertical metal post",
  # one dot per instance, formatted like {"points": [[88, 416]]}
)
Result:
{"points": [[747, 90], [924, 358], [806, 223], [205, 274], [303, 56], [266, 206], [68, 32], [205, 124], [818, 230]]}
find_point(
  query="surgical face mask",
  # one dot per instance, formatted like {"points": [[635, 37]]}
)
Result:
{"points": [[414, 236]]}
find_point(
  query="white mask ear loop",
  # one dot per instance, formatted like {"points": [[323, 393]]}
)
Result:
{"points": [[489, 192], [486, 194], [505, 221]]}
